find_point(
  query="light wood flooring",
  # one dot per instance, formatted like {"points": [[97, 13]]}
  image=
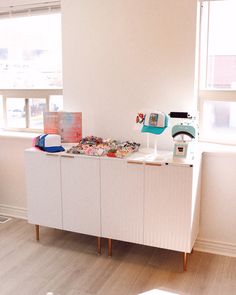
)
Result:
{"points": [[67, 264]]}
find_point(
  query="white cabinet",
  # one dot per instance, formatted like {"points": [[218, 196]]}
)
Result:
{"points": [[44, 189], [63, 191], [122, 190], [136, 201], [150, 203], [81, 194], [168, 207]]}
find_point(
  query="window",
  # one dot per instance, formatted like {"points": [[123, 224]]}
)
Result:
{"points": [[30, 66], [23, 109], [217, 94]]}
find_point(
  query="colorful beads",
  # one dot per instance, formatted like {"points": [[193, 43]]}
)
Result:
{"points": [[96, 146]]}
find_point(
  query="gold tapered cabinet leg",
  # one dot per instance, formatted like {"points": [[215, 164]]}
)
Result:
{"points": [[109, 247], [185, 261], [99, 245], [37, 232]]}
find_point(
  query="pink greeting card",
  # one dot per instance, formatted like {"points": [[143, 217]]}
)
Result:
{"points": [[66, 124]]}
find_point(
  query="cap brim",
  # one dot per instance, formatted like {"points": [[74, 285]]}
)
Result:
{"points": [[153, 130], [53, 149]]}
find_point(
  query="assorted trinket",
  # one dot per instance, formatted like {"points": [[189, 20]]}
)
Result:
{"points": [[96, 146]]}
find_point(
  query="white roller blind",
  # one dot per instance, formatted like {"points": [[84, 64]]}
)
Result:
{"points": [[33, 8]]}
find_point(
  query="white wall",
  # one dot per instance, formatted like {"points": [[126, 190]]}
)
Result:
{"points": [[12, 174], [124, 56], [218, 203]]}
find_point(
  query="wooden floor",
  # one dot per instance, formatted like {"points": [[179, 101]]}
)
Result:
{"points": [[67, 264]]}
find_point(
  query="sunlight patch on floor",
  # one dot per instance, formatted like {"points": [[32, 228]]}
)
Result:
{"points": [[158, 292]]}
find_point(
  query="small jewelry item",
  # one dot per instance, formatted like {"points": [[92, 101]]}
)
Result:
{"points": [[140, 118]]}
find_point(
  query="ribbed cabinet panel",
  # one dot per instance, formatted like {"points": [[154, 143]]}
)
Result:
{"points": [[122, 190], [43, 183], [167, 207], [81, 195]]}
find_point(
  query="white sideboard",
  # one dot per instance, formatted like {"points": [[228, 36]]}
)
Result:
{"points": [[155, 203]]}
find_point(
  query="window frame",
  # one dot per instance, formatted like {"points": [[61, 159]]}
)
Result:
{"points": [[204, 93], [26, 94]]}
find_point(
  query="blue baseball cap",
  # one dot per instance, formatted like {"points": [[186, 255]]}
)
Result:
{"points": [[50, 143]]}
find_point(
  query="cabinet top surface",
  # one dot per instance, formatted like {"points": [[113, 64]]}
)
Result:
{"points": [[159, 158]]}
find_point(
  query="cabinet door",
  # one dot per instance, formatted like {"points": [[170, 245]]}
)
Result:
{"points": [[43, 188], [81, 194], [122, 200], [167, 207]]}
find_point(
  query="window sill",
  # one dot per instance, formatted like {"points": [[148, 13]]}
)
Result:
{"points": [[214, 149], [15, 134]]}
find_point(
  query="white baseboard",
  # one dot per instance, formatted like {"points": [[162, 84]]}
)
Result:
{"points": [[13, 211], [215, 247]]}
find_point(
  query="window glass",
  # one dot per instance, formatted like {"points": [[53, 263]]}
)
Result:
{"points": [[30, 61], [56, 103], [30, 52], [221, 61], [36, 108], [16, 110], [219, 120], [217, 93]]}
